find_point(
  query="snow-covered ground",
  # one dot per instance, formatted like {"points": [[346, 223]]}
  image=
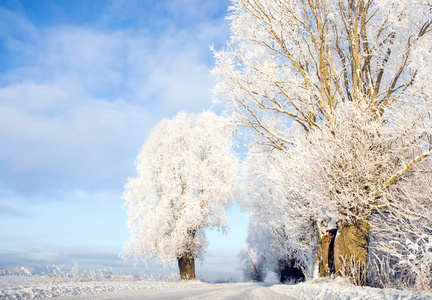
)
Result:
{"points": [[337, 289], [28, 288]]}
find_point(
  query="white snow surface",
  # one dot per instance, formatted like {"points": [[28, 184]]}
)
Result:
{"points": [[15, 288], [338, 290]]}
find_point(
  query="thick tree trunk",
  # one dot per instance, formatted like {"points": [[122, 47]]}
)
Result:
{"points": [[325, 253], [186, 264], [351, 251]]}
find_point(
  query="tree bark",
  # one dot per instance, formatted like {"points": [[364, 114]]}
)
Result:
{"points": [[351, 251], [186, 264], [325, 253]]}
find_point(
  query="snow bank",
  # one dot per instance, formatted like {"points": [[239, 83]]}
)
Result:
{"points": [[339, 290], [41, 291]]}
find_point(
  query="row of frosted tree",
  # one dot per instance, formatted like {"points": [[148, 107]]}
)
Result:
{"points": [[335, 99]]}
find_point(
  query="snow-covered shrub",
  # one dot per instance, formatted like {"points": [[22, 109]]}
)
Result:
{"points": [[75, 272], [401, 243], [354, 270], [401, 252]]}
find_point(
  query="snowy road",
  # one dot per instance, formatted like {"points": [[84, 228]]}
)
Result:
{"points": [[323, 289], [214, 291]]}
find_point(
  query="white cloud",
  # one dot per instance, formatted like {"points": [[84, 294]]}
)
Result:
{"points": [[76, 112], [75, 108], [89, 146], [9, 209], [16, 26]]}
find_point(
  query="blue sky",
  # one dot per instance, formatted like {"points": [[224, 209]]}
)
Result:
{"points": [[81, 84]]}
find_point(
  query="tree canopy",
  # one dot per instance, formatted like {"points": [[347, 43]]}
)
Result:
{"points": [[186, 178], [354, 76]]}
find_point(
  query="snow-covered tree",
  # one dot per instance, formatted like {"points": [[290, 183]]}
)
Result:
{"points": [[297, 59], [357, 174], [253, 265], [281, 219], [354, 75], [186, 178], [273, 247]]}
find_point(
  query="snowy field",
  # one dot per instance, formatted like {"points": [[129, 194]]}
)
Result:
{"points": [[40, 288]]}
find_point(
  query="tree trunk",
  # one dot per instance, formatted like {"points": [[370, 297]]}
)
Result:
{"points": [[351, 251], [325, 253], [186, 265]]}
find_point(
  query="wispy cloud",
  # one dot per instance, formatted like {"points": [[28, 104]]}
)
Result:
{"points": [[76, 111], [8, 209], [79, 91]]}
